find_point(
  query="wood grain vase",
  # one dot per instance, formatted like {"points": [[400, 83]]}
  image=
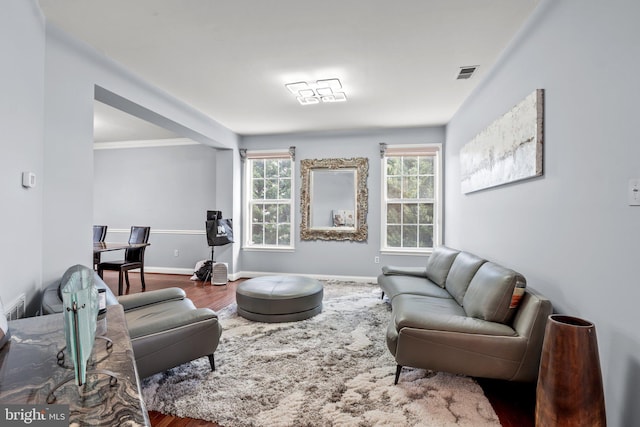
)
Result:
{"points": [[569, 391]]}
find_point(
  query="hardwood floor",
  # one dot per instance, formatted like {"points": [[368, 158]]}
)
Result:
{"points": [[513, 402]]}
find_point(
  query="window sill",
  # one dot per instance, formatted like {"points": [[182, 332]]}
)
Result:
{"points": [[405, 251], [268, 248]]}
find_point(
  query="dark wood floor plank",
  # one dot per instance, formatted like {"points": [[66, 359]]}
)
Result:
{"points": [[513, 402]]}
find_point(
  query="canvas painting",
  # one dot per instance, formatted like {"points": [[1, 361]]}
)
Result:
{"points": [[508, 150]]}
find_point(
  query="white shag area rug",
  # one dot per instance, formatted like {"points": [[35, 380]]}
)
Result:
{"points": [[331, 370]]}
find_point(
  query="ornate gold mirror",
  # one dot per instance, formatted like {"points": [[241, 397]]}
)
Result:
{"points": [[334, 199]]}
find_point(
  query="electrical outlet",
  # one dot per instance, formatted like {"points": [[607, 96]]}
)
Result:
{"points": [[176, 252], [634, 192], [376, 259]]}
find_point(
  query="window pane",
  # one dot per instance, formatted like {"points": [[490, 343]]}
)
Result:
{"points": [[271, 168], [410, 189], [409, 236], [257, 169], [394, 236], [258, 189], [284, 214], [394, 211], [426, 165], [284, 234], [394, 187], [271, 213], [271, 180], [426, 213], [410, 166], [285, 188], [426, 236], [257, 234], [410, 213], [285, 168], [426, 187], [271, 189], [257, 213], [270, 234], [410, 200], [394, 165]]}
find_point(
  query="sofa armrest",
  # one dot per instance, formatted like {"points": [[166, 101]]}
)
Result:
{"points": [[175, 319], [530, 322], [52, 298], [152, 297], [389, 270], [452, 324]]}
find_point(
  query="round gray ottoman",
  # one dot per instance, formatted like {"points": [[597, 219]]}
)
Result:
{"points": [[275, 299]]}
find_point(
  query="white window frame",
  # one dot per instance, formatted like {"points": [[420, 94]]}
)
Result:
{"points": [[413, 150], [247, 201]]}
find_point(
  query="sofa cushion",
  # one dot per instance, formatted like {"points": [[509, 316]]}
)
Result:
{"points": [[153, 319], [390, 270], [491, 291], [396, 285], [462, 270], [439, 264], [437, 314]]}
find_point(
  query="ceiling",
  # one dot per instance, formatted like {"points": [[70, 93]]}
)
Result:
{"points": [[397, 60]]}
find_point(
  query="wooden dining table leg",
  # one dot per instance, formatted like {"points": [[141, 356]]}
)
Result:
{"points": [[120, 283]]}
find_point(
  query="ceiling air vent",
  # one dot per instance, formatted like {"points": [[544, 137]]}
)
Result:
{"points": [[466, 72]]}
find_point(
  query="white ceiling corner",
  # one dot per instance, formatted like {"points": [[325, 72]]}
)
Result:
{"points": [[398, 61]]}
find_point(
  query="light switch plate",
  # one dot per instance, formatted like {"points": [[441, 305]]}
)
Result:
{"points": [[634, 192], [28, 179]]}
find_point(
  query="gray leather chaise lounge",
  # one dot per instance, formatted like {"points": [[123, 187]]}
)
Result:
{"points": [[465, 315], [165, 328]]}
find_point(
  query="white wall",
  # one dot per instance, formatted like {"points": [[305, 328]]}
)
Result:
{"points": [[22, 45], [571, 232], [73, 71], [336, 258], [168, 188]]}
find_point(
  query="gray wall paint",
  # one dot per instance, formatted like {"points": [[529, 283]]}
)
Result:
{"points": [[337, 258], [73, 70], [571, 232], [167, 188], [22, 46]]}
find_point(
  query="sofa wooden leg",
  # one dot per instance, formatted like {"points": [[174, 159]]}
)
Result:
{"points": [[212, 362], [398, 369]]}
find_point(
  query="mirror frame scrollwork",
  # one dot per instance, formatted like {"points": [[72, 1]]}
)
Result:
{"points": [[360, 232]]}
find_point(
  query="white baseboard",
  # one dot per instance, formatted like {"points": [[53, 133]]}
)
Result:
{"points": [[251, 274], [169, 270], [363, 279]]}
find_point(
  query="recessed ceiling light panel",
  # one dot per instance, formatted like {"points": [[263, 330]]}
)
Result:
{"points": [[309, 93], [310, 100], [296, 87]]}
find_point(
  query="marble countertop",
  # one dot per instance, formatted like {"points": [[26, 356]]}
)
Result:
{"points": [[29, 370]]}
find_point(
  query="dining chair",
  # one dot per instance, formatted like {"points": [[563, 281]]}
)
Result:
{"points": [[133, 258], [99, 234]]}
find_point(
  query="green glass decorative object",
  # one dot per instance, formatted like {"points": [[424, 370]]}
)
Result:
{"points": [[80, 300]]}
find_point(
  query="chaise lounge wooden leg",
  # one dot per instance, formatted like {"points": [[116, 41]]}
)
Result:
{"points": [[212, 362], [398, 369]]}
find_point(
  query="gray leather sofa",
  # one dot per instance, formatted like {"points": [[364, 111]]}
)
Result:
{"points": [[465, 315], [165, 328]]}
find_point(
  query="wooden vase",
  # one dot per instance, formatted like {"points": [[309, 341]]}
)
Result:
{"points": [[569, 390]]}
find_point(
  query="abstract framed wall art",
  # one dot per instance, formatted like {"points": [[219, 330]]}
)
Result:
{"points": [[510, 149]]}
